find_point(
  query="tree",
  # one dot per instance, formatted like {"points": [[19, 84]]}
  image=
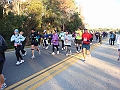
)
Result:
{"points": [[52, 15], [35, 10], [74, 23]]}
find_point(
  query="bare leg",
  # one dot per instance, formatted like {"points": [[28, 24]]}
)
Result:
{"points": [[36, 47], [1, 79], [88, 52], [32, 48], [84, 53]]}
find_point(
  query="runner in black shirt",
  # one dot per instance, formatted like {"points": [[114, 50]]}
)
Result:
{"points": [[34, 42]]}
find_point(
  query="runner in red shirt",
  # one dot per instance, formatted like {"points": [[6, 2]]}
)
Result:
{"points": [[86, 43]]}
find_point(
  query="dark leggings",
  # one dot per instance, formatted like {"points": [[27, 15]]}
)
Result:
{"points": [[22, 48], [17, 52], [62, 43], [56, 47], [111, 41]]}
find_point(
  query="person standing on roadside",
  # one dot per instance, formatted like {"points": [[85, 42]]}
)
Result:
{"points": [[34, 42], [23, 45], [86, 43], [3, 48], [112, 36], [78, 39], [18, 39]]}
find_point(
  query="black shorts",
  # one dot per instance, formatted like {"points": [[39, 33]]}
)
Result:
{"points": [[1, 66], [78, 41], [34, 43]]}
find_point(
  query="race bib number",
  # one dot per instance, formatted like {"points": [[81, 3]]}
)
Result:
{"points": [[85, 39]]}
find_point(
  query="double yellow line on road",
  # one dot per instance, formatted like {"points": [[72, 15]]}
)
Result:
{"points": [[43, 76], [37, 79]]}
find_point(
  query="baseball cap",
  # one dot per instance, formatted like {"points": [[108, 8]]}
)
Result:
{"points": [[33, 29], [16, 30]]}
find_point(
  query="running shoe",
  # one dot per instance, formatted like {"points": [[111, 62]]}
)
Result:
{"points": [[22, 61], [3, 86], [32, 57], [46, 47], [77, 52], [80, 51], [58, 52], [18, 63], [53, 53], [67, 54]]}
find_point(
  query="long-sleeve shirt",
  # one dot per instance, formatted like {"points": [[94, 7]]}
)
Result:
{"points": [[61, 35], [17, 39], [68, 39], [55, 39]]}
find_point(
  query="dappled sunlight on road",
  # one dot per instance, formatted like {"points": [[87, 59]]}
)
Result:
{"points": [[100, 72]]}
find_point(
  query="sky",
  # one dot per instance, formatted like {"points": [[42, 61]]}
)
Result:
{"points": [[101, 13]]}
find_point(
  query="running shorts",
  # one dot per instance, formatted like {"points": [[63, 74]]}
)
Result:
{"points": [[34, 43], [87, 46], [78, 41]]}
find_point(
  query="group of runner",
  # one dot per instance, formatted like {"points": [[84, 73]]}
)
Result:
{"points": [[82, 40]]}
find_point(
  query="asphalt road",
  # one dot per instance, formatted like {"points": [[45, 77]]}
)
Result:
{"points": [[15, 73], [99, 72]]}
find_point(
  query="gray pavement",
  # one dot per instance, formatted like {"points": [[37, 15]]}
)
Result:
{"points": [[14, 73], [100, 72]]}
